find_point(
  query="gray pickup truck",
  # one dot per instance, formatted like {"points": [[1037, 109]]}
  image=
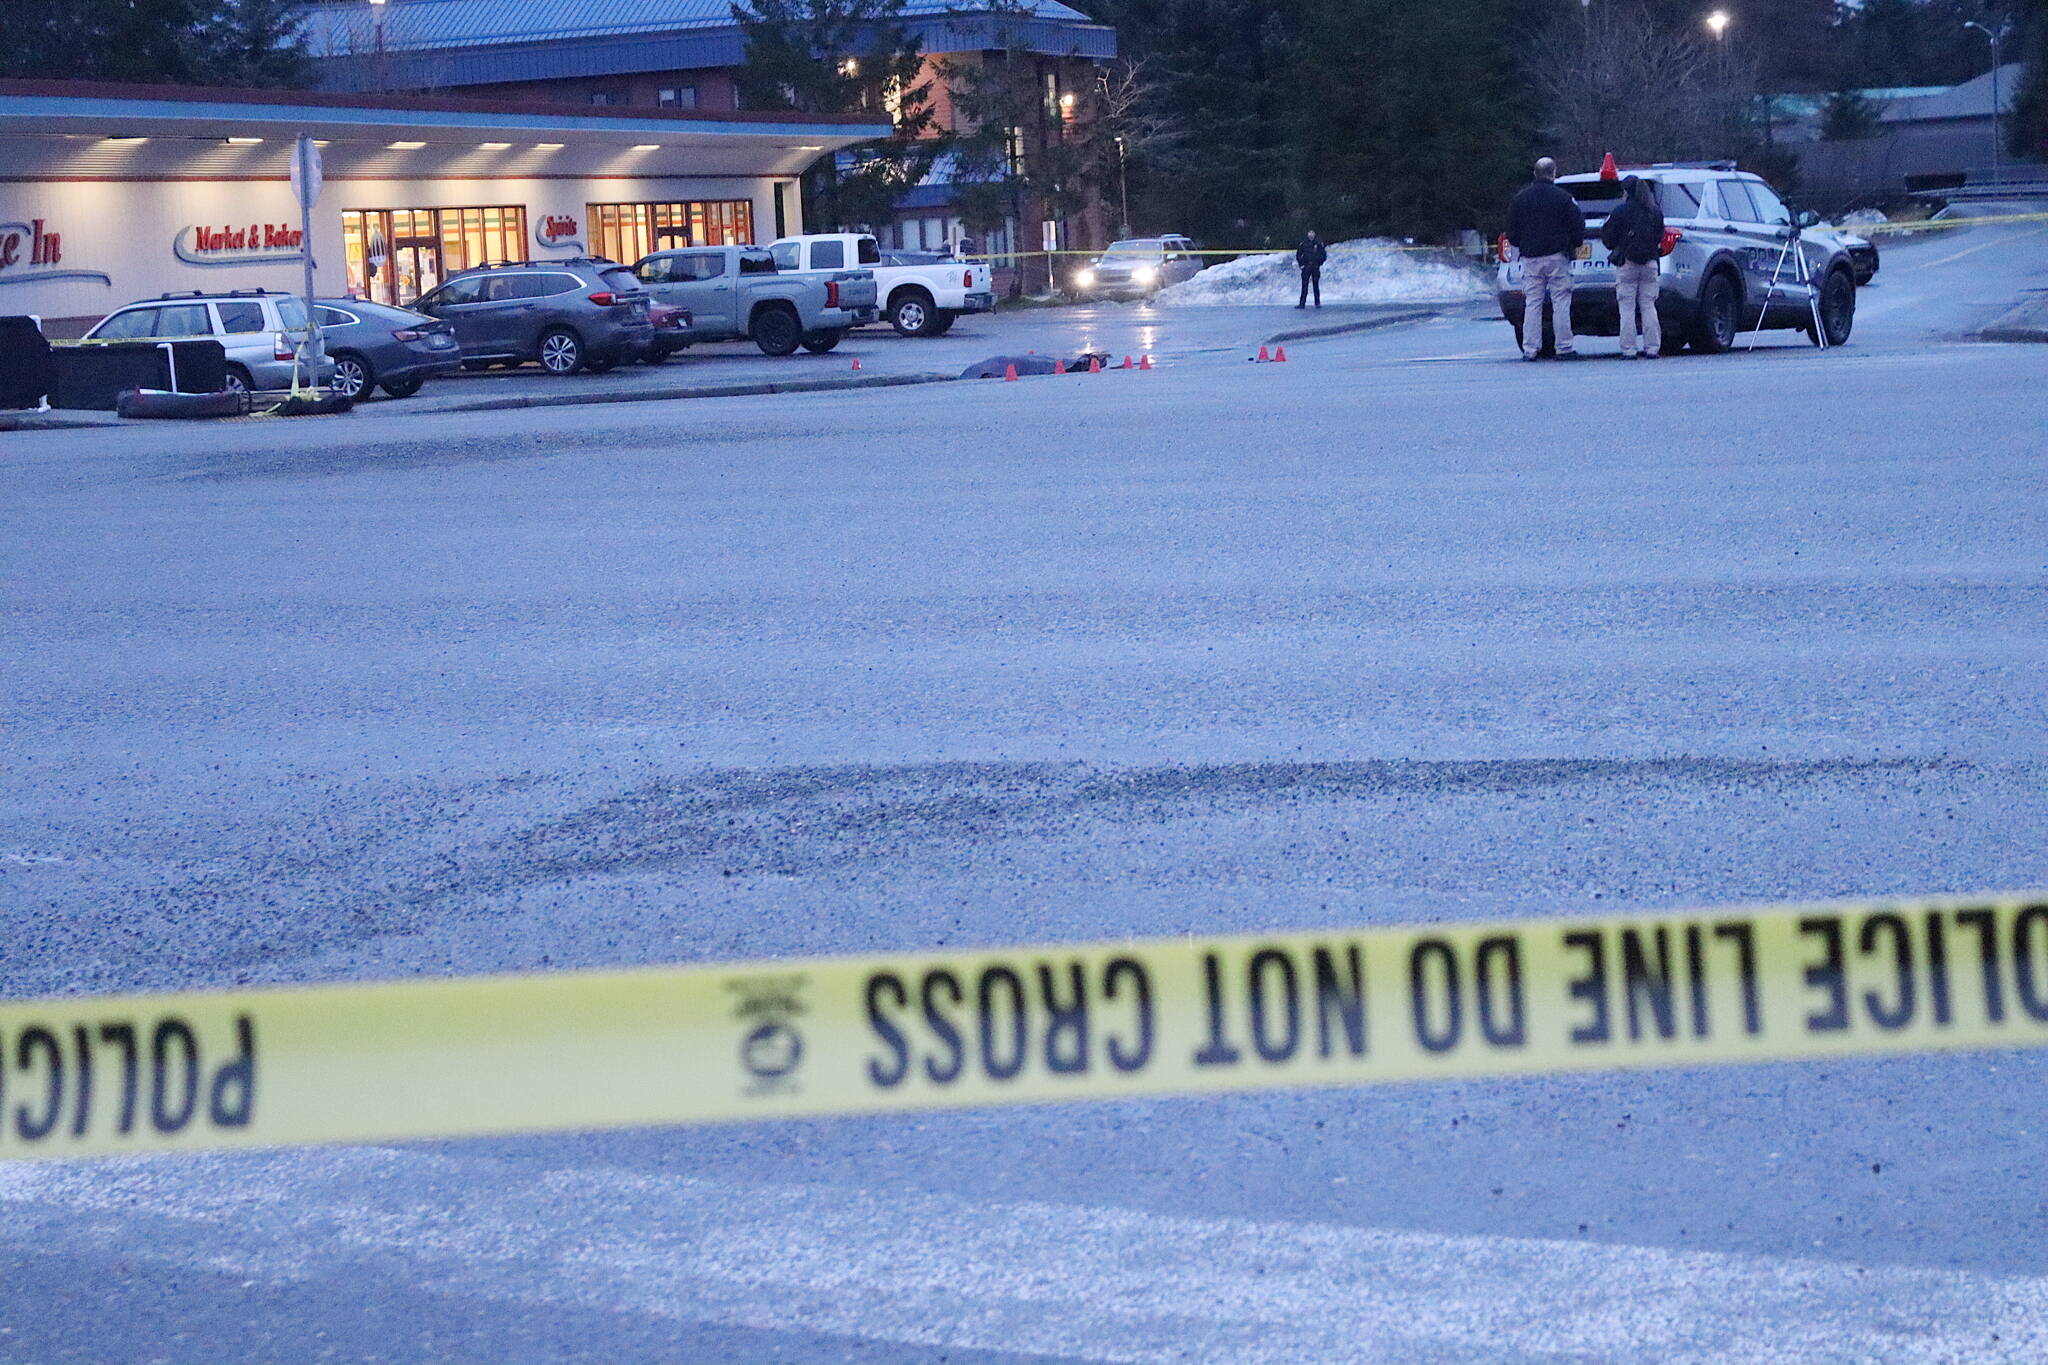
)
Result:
{"points": [[737, 291]]}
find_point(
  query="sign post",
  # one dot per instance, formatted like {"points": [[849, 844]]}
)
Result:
{"points": [[306, 180]]}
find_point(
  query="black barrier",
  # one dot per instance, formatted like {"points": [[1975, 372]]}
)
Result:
{"points": [[94, 374], [27, 374]]}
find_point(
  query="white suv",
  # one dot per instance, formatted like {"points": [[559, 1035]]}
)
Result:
{"points": [[260, 329]]}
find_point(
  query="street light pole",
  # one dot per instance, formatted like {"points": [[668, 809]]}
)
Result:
{"points": [[1717, 24], [1123, 185], [1997, 141]]}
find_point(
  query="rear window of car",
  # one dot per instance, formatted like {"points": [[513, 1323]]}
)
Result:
{"points": [[764, 262], [621, 279], [183, 320], [1736, 203], [291, 311], [828, 255], [785, 254], [1597, 196], [870, 252], [238, 318], [1678, 200]]}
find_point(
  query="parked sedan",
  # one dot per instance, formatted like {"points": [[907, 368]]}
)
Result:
{"points": [[374, 345]]}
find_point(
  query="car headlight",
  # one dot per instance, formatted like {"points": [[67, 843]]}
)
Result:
{"points": [[1145, 274], [1084, 278]]}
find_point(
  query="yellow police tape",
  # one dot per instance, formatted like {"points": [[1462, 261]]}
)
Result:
{"points": [[90, 1076]]}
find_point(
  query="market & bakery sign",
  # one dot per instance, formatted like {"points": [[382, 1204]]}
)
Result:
{"points": [[30, 252], [254, 244]]}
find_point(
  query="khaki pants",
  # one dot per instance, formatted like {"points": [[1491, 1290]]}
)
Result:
{"points": [[1546, 277], [1635, 289]]}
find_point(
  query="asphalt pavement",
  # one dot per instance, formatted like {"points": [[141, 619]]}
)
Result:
{"points": [[1404, 628]]}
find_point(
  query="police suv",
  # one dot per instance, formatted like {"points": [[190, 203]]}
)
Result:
{"points": [[1734, 256]]}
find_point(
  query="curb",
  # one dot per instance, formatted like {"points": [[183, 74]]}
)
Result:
{"points": [[2027, 322], [566, 400], [57, 420], [1365, 325]]}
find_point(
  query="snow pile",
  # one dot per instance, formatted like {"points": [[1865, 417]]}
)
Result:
{"points": [[1357, 272], [1862, 218]]}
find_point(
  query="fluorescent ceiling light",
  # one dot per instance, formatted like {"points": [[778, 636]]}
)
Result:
{"points": [[494, 146], [810, 149], [243, 141], [406, 146], [647, 146], [547, 146], [127, 139]]}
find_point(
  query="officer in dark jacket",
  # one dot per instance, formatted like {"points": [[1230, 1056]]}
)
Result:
{"points": [[1308, 259], [1546, 225], [1634, 236]]}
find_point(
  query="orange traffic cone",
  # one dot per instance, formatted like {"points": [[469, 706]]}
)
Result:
{"points": [[1263, 355], [856, 365], [1145, 362], [1009, 374], [1095, 364], [1608, 170], [1127, 363], [1059, 367], [1280, 356]]}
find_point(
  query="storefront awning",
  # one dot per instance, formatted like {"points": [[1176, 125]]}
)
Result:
{"points": [[77, 130]]}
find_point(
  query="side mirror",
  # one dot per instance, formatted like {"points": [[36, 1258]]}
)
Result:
{"points": [[1806, 218]]}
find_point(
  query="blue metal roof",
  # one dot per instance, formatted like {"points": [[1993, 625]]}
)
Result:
{"points": [[421, 25]]}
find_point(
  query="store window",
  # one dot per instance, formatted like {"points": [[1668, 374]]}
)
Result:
{"points": [[396, 255], [677, 97], [626, 232]]}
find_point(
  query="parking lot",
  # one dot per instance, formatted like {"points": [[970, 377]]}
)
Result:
{"points": [[1402, 630]]}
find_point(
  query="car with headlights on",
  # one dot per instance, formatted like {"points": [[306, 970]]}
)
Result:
{"points": [[1136, 268]]}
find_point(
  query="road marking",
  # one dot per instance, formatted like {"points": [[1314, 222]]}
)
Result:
{"points": [[1969, 251], [1084, 1282]]}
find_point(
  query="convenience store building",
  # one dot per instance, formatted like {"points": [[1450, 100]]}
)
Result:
{"points": [[110, 193]]}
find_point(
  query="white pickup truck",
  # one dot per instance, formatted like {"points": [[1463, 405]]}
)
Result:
{"points": [[921, 294]]}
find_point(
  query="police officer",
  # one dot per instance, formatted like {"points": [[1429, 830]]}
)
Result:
{"points": [[1547, 226], [1308, 259]]}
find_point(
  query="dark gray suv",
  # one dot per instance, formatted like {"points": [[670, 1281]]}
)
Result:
{"points": [[585, 313]]}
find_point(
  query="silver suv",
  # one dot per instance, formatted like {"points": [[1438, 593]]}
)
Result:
{"points": [[1727, 233], [260, 329], [584, 313]]}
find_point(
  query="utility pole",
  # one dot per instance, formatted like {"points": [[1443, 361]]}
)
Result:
{"points": [[1997, 140]]}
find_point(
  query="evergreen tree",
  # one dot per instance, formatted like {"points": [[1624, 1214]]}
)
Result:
{"points": [[203, 42], [2028, 136], [844, 57], [1430, 139]]}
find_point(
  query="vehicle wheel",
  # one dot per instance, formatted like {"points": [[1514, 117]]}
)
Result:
{"points": [[1720, 314], [237, 381], [561, 352], [474, 365], [777, 331], [653, 356], [352, 375], [911, 314], [817, 343], [1838, 307], [402, 388], [942, 322]]}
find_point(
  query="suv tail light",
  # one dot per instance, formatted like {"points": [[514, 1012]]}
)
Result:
{"points": [[1672, 237], [1500, 249], [831, 293], [604, 299], [283, 348]]}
